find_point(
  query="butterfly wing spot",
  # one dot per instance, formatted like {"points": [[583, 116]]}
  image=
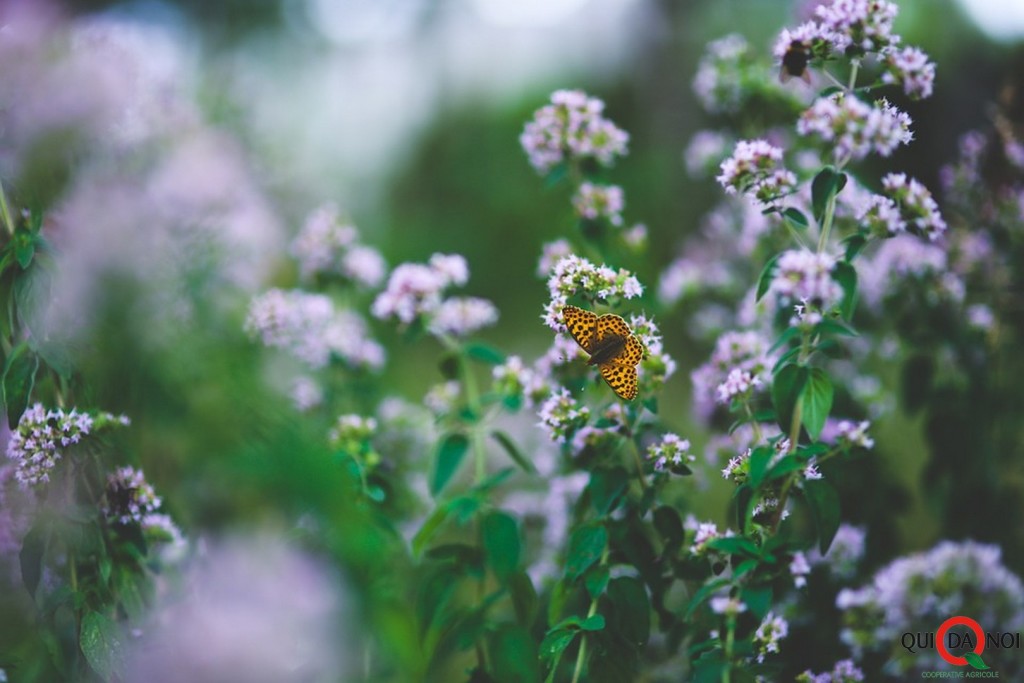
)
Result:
{"points": [[633, 352], [611, 325], [622, 380], [581, 325]]}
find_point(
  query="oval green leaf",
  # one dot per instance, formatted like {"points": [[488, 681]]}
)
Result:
{"points": [[450, 452]]}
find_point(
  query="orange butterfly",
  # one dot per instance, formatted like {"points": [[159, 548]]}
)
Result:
{"points": [[612, 346]]}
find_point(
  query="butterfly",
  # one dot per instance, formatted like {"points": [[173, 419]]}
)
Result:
{"points": [[612, 346]]}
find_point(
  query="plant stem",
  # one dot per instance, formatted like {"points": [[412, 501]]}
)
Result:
{"points": [[730, 639], [853, 74], [826, 223], [582, 654], [754, 423], [5, 214]]}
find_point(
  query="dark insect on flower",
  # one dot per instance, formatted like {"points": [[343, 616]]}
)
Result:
{"points": [[794, 62]]}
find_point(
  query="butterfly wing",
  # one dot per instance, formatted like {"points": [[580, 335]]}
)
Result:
{"points": [[621, 378], [632, 353], [581, 325], [609, 325], [591, 331], [620, 371]]}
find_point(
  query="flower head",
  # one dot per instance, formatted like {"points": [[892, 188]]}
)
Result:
{"points": [[462, 316], [351, 431], [573, 275], [42, 436], [671, 452], [128, 498], [853, 128], [917, 209], [866, 25], [755, 169], [561, 415], [719, 81], [571, 127], [310, 328], [746, 351], [773, 628], [804, 276], [593, 201], [910, 68]]}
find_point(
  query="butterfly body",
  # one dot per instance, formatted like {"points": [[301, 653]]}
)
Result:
{"points": [[612, 346], [606, 349]]}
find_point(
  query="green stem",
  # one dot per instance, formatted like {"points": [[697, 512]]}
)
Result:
{"points": [[636, 452], [794, 440], [853, 75], [730, 639], [833, 78], [639, 467], [473, 404], [5, 214], [756, 425], [826, 223], [581, 656], [794, 234]]}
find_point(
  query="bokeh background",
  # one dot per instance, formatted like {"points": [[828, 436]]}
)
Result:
{"points": [[407, 113]]}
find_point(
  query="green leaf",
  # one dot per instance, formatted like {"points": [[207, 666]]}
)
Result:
{"points": [[449, 365], [450, 452], [596, 580], [764, 281], [513, 655], [787, 336], [703, 593], [796, 218], [560, 594], [758, 599], [513, 402], [31, 557], [918, 379], [787, 464], [555, 642], [593, 623], [787, 386], [854, 245], [669, 525], [484, 353], [506, 442], [830, 90], [824, 503], [631, 610], [651, 404], [846, 275], [19, 379], [758, 464], [131, 595], [24, 249], [466, 558], [834, 327], [586, 545], [501, 544], [100, 641], [734, 545], [429, 528], [975, 661], [524, 598], [826, 185], [606, 489], [816, 401]]}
